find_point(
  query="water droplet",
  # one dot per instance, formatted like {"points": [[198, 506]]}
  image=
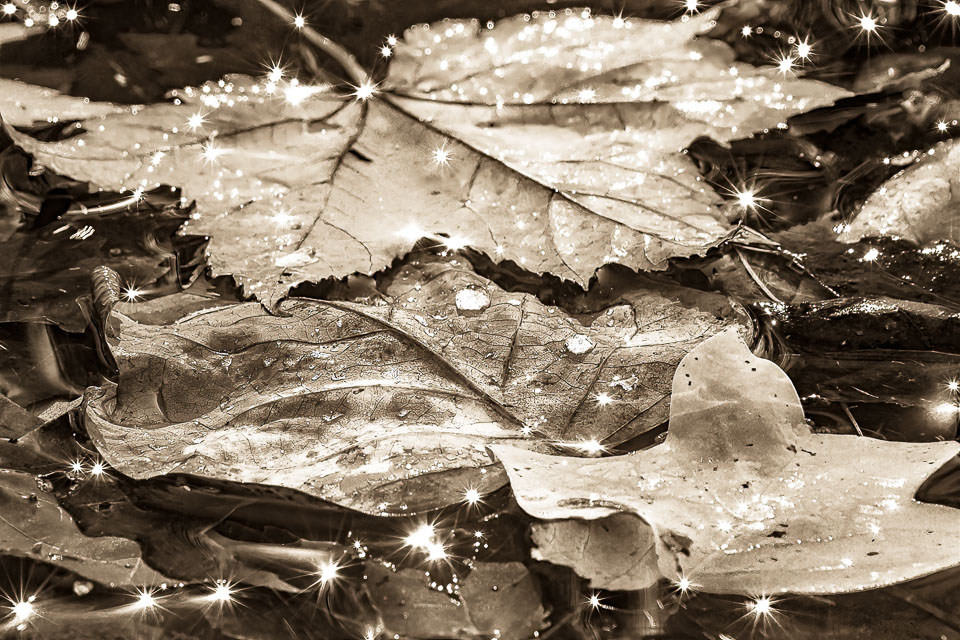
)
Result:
{"points": [[579, 344], [472, 301]]}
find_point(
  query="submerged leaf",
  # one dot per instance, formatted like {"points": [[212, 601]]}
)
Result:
{"points": [[743, 498], [371, 405], [595, 549], [32, 525], [496, 600]]}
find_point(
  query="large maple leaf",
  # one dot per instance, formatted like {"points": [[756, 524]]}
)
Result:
{"points": [[742, 497], [555, 186]]}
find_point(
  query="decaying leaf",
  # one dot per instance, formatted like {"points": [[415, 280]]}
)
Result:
{"points": [[32, 525], [368, 405], [743, 498], [617, 552], [918, 204], [497, 599], [284, 202]]}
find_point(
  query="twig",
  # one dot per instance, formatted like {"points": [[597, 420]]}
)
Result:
{"points": [[945, 617], [357, 74], [756, 278], [853, 420]]}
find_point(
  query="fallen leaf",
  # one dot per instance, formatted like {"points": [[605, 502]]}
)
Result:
{"points": [[498, 599], [25, 105], [33, 525], [918, 204], [743, 498], [599, 109], [324, 207], [595, 549], [371, 405]]}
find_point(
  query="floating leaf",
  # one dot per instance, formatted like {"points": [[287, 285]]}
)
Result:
{"points": [[599, 109], [595, 549], [368, 405], [32, 525], [497, 599], [743, 498], [24, 105], [284, 202], [918, 204]]}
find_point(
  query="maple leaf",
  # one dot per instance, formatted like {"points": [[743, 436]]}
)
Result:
{"points": [[284, 201], [599, 108], [915, 203], [368, 405], [743, 498]]}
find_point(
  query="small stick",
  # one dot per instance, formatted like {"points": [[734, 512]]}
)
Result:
{"points": [[853, 420], [756, 278], [346, 59], [945, 617]]}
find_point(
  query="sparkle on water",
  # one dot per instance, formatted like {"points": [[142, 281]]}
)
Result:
{"points": [[365, 91], [97, 469], [421, 537], [329, 572], [603, 399], [746, 198], [952, 8], [145, 600], [804, 49], [222, 592], [440, 156], [471, 496], [133, 293], [23, 609], [299, 21], [761, 607], [195, 121]]}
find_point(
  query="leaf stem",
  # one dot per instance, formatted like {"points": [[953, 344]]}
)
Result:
{"points": [[357, 74]]}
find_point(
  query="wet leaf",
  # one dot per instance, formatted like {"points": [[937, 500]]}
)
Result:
{"points": [[595, 549], [284, 201], [32, 525], [390, 406], [495, 600], [743, 498], [24, 105], [918, 204], [598, 109]]}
